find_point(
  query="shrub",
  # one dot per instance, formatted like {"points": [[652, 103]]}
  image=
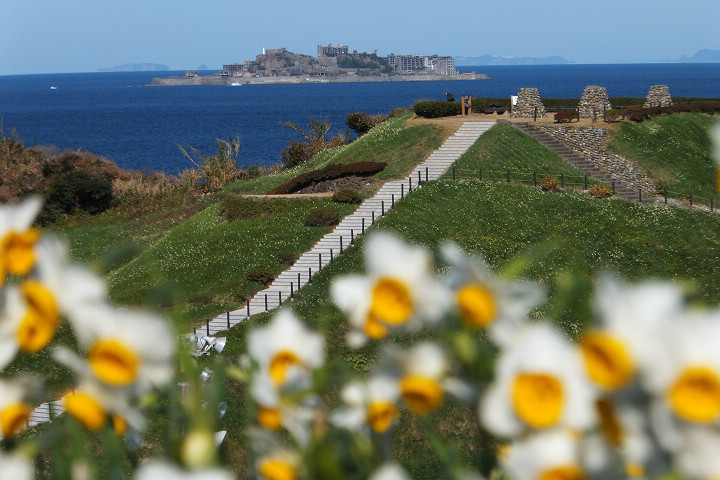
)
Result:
{"points": [[285, 257], [347, 195], [550, 183], [363, 122], [661, 186], [436, 108], [331, 172], [600, 190], [260, 275], [79, 190], [233, 208], [613, 114], [638, 114], [566, 116], [296, 153], [322, 217]]}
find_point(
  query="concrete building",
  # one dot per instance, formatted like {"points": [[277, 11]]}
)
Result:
{"points": [[233, 70], [332, 50], [421, 63]]}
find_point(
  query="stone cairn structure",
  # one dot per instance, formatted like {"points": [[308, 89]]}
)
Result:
{"points": [[594, 100], [528, 100], [658, 96]]}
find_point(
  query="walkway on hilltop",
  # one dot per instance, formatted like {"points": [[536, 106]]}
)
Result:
{"points": [[333, 244]]}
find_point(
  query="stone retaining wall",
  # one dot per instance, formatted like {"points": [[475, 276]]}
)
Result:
{"points": [[590, 143]]}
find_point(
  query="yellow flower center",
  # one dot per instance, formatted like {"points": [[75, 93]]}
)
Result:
{"points": [[113, 362], [537, 399], [567, 472], [41, 318], [13, 418], [119, 424], [635, 470], [270, 418], [375, 329], [477, 305], [607, 360], [422, 395], [381, 415], [86, 409], [275, 469], [18, 251], [391, 302], [281, 362], [717, 180], [695, 396]]}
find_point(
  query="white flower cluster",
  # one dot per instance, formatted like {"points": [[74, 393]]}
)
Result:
{"points": [[116, 355]]}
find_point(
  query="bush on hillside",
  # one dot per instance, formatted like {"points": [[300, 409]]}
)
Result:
{"points": [[600, 190], [331, 172], [613, 115], [347, 195], [638, 114], [285, 257], [436, 109], [260, 275], [234, 208], [566, 116], [363, 122], [550, 183], [322, 217]]}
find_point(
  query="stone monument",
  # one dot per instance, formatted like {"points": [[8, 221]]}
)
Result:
{"points": [[658, 96], [594, 102], [527, 100]]}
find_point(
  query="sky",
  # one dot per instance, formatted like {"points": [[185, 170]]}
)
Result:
{"points": [[56, 36]]}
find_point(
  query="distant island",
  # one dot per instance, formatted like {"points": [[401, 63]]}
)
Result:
{"points": [[136, 67], [333, 64], [703, 56], [485, 60]]}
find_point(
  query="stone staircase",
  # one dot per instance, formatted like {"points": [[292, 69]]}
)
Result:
{"points": [[622, 190], [345, 233]]}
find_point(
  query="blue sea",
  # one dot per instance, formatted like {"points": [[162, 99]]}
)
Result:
{"points": [[117, 116]]}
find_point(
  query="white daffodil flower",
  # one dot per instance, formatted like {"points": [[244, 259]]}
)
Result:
{"points": [[11, 315], [17, 238], [372, 404], [292, 412], [483, 300], [14, 406], [16, 467], [278, 465], [398, 291], [156, 469], [687, 381], [631, 335], [284, 349], [539, 384], [126, 348], [551, 454], [697, 456]]}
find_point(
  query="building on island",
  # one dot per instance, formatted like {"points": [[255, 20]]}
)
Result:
{"points": [[422, 64], [332, 50]]}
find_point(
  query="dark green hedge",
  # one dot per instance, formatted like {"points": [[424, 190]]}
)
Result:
{"points": [[331, 172], [436, 108]]}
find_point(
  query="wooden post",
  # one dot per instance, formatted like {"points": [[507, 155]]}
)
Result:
{"points": [[453, 170], [392, 200], [292, 292], [352, 236], [362, 225], [426, 173], [266, 305], [228, 320], [319, 261], [248, 308], [402, 190]]}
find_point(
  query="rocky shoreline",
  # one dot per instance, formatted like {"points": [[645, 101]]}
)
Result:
{"points": [[238, 81]]}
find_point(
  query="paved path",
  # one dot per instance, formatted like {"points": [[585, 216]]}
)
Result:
{"points": [[332, 244]]}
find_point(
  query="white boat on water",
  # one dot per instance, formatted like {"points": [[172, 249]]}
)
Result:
{"points": [[235, 84], [53, 87]]}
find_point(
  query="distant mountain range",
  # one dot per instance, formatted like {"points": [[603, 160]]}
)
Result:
{"points": [[497, 60], [703, 56], [136, 67]]}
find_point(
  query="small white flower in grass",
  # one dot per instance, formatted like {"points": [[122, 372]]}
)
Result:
{"points": [[372, 404], [284, 348], [398, 291], [16, 467], [551, 455], [126, 348], [14, 408], [688, 381], [160, 470], [17, 238], [539, 384], [485, 301], [630, 337]]}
